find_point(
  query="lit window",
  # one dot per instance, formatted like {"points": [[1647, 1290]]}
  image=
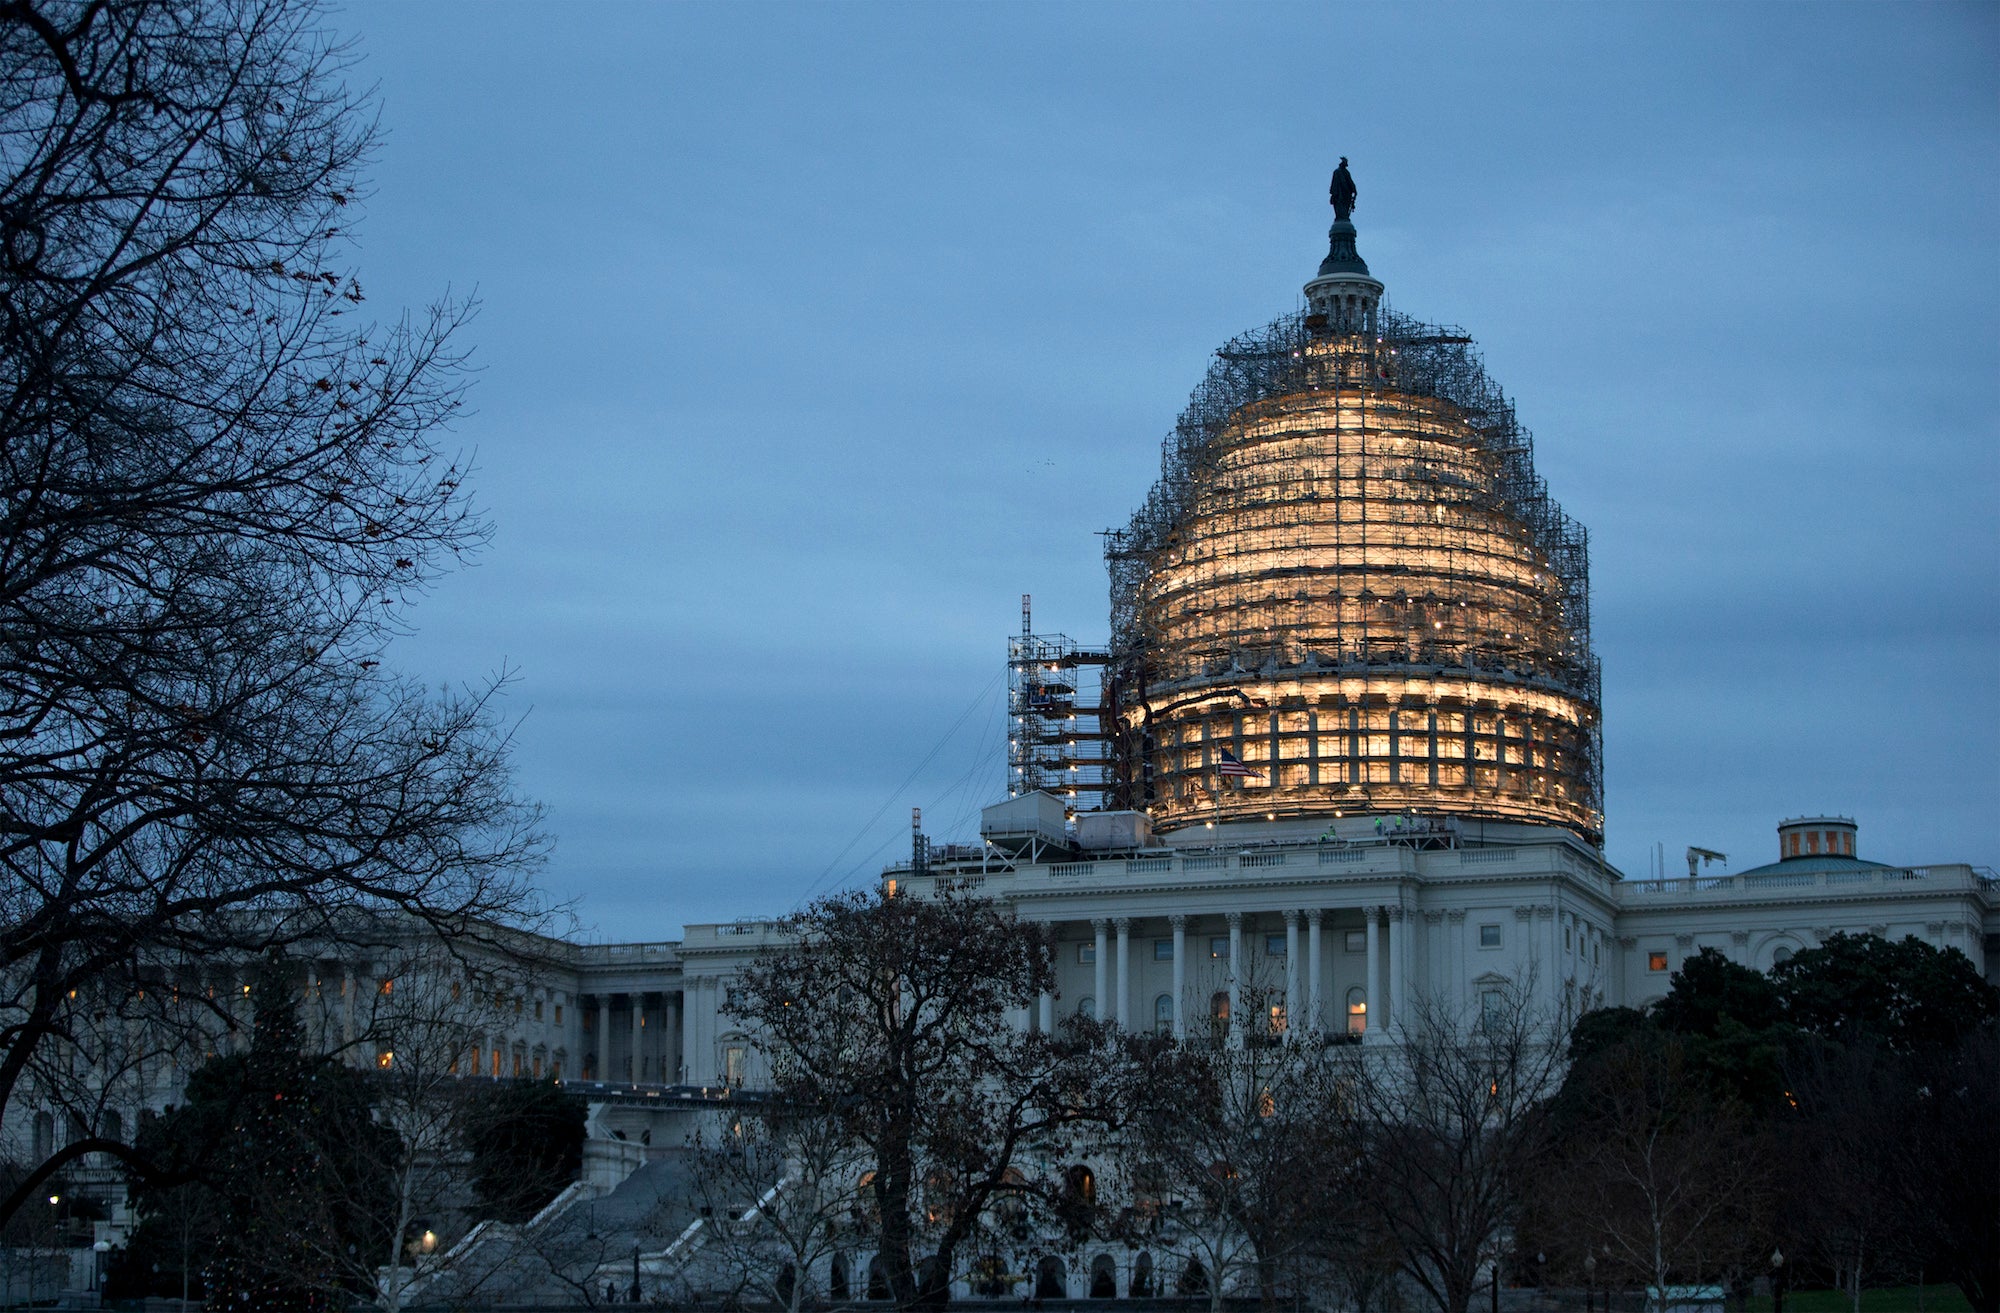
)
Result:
{"points": [[1218, 1007], [1086, 954], [1656, 961], [388, 987], [1163, 950], [1357, 941], [1218, 948], [385, 1059], [1489, 935], [1357, 1011]]}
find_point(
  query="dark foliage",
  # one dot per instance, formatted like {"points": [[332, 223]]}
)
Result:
{"points": [[262, 1139], [1866, 1067], [1905, 993], [526, 1142]]}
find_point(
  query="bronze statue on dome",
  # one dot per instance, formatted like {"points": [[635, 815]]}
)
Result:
{"points": [[1342, 193]]}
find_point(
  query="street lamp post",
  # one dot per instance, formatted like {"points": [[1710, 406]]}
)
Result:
{"points": [[1590, 1283], [1777, 1280]]}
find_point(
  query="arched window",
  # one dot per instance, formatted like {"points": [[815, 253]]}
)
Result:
{"points": [[1218, 1008], [1784, 954], [1082, 1184], [1163, 1014], [837, 1280], [878, 1278], [1357, 1011], [1086, 1007], [1194, 1278], [1050, 1282], [1103, 1277], [1142, 1276]]}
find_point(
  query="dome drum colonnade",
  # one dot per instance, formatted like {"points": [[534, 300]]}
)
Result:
{"points": [[1350, 580]]}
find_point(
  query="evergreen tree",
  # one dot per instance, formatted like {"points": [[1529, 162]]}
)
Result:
{"points": [[250, 1161]]}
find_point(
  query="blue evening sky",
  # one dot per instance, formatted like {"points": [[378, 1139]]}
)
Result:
{"points": [[813, 336]]}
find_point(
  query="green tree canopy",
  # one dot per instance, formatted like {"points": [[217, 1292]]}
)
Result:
{"points": [[1903, 993]]}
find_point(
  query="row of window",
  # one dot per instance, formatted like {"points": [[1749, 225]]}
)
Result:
{"points": [[1276, 945], [1218, 1011]]}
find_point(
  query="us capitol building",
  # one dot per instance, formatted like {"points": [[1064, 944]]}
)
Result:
{"points": [[1342, 751]]}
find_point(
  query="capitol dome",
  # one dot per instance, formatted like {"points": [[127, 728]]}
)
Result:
{"points": [[1349, 592]]}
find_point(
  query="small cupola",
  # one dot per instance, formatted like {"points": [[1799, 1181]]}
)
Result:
{"points": [[1816, 836]]}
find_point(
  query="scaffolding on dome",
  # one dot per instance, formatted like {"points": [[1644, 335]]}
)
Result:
{"points": [[1337, 506]]}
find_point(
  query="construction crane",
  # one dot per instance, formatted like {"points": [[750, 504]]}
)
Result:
{"points": [[1703, 856]]}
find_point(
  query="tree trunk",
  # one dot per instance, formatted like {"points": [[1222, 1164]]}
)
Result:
{"points": [[392, 1298]]}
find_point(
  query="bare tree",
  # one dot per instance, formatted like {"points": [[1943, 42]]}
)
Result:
{"points": [[1225, 1158], [1658, 1181], [780, 1193], [220, 491], [1441, 1122], [420, 1038], [897, 1016]]}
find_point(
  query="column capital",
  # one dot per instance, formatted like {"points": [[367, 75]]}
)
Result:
{"points": [[1292, 918], [1098, 924], [1457, 914], [1123, 924], [1396, 912], [1178, 920], [1314, 915], [1235, 920], [1373, 914]]}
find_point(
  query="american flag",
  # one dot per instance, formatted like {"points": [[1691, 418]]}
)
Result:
{"points": [[1232, 767]]}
